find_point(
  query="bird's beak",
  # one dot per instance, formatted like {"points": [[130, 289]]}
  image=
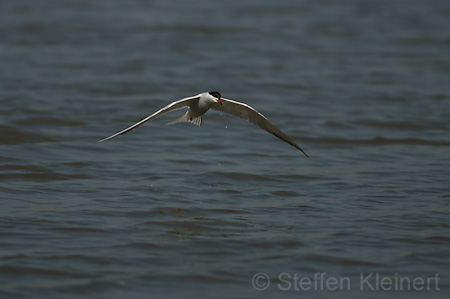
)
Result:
{"points": [[219, 101]]}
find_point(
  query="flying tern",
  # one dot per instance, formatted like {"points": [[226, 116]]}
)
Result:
{"points": [[199, 104]]}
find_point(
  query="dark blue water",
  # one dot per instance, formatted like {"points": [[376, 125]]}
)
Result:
{"points": [[225, 210]]}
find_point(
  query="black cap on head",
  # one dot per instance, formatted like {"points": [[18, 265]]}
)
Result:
{"points": [[215, 94]]}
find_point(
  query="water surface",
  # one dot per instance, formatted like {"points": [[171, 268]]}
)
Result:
{"points": [[184, 211]]}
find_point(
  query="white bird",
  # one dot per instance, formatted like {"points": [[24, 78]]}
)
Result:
{"points": [[199, 104]]}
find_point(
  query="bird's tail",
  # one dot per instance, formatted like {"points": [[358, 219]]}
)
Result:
{"points": [[184, 118]]}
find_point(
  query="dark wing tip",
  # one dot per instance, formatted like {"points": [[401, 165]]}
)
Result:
{"points": [[304, 153]]}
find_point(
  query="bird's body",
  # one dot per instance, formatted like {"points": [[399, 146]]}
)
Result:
{"points": [[201, 103]]}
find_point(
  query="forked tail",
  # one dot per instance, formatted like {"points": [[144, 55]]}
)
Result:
{"points": [[184, 118]]}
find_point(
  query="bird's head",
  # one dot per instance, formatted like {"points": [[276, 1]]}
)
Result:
{"points": [[216, 95]]}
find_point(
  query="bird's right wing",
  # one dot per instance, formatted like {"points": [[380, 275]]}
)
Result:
{"points": [[172, 106], [248, 113]]}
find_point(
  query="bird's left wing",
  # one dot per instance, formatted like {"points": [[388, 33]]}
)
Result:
{"points": [[172, 106], [248, 113]]}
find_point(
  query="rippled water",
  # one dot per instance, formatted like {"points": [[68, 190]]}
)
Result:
{"points": [[188, 212]]}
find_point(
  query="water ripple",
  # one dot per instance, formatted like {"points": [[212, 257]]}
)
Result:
{"points": [[36, 173], [11, 135], [377, 141]]}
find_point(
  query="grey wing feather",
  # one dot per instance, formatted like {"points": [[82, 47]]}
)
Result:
{"points": [[172, 106], [250, 114]]}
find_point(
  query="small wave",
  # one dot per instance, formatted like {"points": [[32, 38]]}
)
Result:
{"points": [[35, 173], [377, 141], [80, 229], [340, 261], [286, 193], [48, 121], [10, 135], [440, 239], [21, 271], [399, 125], [242, 176], [200, 29]]}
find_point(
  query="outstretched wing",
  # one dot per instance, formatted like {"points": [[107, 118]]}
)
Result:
{"points": [[172, 106], [250, 114]]}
